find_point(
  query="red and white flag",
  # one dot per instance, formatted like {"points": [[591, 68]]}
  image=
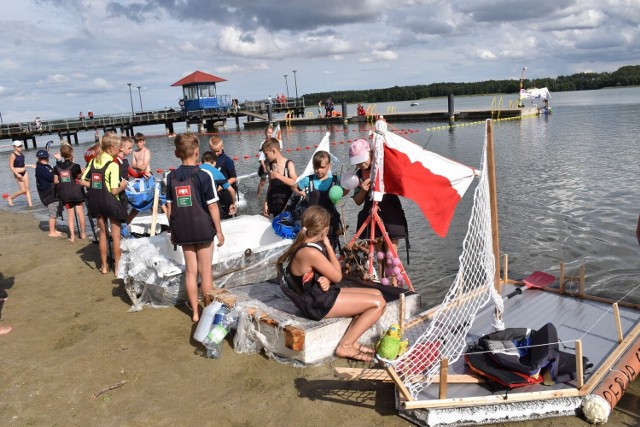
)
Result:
{"points": [[434, 182]]}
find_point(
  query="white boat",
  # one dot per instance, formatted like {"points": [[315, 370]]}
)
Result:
{"points": [[153, 268], [415, 104]]}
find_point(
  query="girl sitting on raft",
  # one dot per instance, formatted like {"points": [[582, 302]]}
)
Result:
{"points": [[309, 280]]}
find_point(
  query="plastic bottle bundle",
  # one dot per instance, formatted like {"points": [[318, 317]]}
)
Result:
{"points": [[213, 341]]}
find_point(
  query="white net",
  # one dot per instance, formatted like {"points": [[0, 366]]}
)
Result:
{"points": [[473, 287]]}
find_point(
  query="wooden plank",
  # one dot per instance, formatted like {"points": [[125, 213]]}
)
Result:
{"points": [[444, 372], [383, 375], [399, 384]]}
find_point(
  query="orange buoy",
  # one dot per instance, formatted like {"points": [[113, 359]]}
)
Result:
{"points": [[5, 195]]}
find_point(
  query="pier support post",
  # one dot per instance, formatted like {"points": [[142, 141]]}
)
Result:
{"points": [[269, 112], [451, 109]]}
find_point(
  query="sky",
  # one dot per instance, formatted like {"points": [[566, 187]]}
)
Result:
{"points": [[60, 57]]}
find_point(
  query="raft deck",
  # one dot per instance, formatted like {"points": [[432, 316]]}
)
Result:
{"points": [[591, 321]]}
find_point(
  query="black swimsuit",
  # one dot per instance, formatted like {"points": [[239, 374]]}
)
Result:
{"points": [[307, 295], [18, 162]]}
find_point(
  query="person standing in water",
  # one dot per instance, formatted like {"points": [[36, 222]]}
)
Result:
{"points": [[19, 170]]}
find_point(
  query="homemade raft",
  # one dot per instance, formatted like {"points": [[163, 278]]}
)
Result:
{"points": [[270, 322], [435, 387], [153, 268]]}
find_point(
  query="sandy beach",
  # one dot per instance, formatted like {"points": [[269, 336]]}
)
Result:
{"points": [[73, 340]]}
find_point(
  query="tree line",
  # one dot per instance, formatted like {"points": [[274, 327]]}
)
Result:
{"points": [[625, 76]]}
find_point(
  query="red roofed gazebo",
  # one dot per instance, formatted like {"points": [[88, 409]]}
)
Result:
{"points": [[199, 92]]}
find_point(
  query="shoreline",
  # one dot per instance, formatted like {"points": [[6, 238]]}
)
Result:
{"points": [[73, 339]]}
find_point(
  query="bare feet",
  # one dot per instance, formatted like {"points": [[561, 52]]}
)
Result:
{"points": [[56, 234], [10, 201], [72, 239], [352, 352], [104, 270], [4, 330], [83, 236], [365, 349]]}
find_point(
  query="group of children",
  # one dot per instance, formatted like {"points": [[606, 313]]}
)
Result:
{"points": [[104, 180], [195, 206]]}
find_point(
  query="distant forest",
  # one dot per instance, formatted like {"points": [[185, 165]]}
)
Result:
{"points": [[625, 76]]}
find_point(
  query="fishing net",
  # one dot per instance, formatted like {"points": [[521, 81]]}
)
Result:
{"points": [[473, 287]]}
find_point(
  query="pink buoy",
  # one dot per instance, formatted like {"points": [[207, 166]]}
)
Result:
{"points": [[396, 261], [384, 281], [396, 270], [380, 255], [399, 277]]}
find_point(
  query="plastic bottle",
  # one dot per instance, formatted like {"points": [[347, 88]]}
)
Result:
{"points": [[220, 314], [219, 331], [206, 320], [214, 351]]}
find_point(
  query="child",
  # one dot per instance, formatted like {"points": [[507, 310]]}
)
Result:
{"points": [[224, 163], [126, 146], [141, 163], [262, 168], [19, 170], [46, 190], [69, 191], [310, 278], [316, 188], [226, 193], [390, 209], [282, 177], [103, 183], [194, 218]]}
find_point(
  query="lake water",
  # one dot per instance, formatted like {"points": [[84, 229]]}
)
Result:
{"points": [[567, 185]]}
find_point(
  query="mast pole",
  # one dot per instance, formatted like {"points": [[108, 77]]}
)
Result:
{"points": [[493, 200]]}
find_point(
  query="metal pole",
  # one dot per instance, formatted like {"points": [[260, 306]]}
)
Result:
{"points": [[295, 82], [287, 84], [140, 95], [131, 98]]}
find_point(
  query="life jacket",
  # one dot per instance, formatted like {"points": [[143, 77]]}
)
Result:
{"points": [[278, 193], [100, 201], [68, 189], [517, 357], [190, 221], [49, 195], [321, 198]]}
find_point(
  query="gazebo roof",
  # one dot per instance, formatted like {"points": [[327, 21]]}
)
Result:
{"points": [[198, 77]]}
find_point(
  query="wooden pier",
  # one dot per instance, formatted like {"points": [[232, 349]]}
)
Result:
{"points": [[204, 120], [412, 116]]}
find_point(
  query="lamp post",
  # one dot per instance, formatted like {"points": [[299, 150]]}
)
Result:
{"points": [[287, 85], [295, 81], [130, 98], [140, 95]]}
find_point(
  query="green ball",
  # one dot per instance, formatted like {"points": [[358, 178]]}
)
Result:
{"points": [[335, 193]]}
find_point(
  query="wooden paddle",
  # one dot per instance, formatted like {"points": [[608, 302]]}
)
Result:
{"points": [[154, 211], [537, 279]]}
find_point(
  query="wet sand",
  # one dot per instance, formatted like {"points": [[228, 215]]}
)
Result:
{"points": [[73, 339]]}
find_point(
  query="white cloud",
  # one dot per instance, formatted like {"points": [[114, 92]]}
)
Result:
{"points": [[252, 44]]}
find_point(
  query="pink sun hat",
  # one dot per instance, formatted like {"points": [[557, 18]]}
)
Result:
{"points": [[359, 151]]}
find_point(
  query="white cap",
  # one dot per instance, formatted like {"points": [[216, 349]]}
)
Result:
{"points": [[17, 143]]}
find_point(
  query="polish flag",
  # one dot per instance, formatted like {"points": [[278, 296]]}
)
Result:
{"points": [[434, 182]]}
